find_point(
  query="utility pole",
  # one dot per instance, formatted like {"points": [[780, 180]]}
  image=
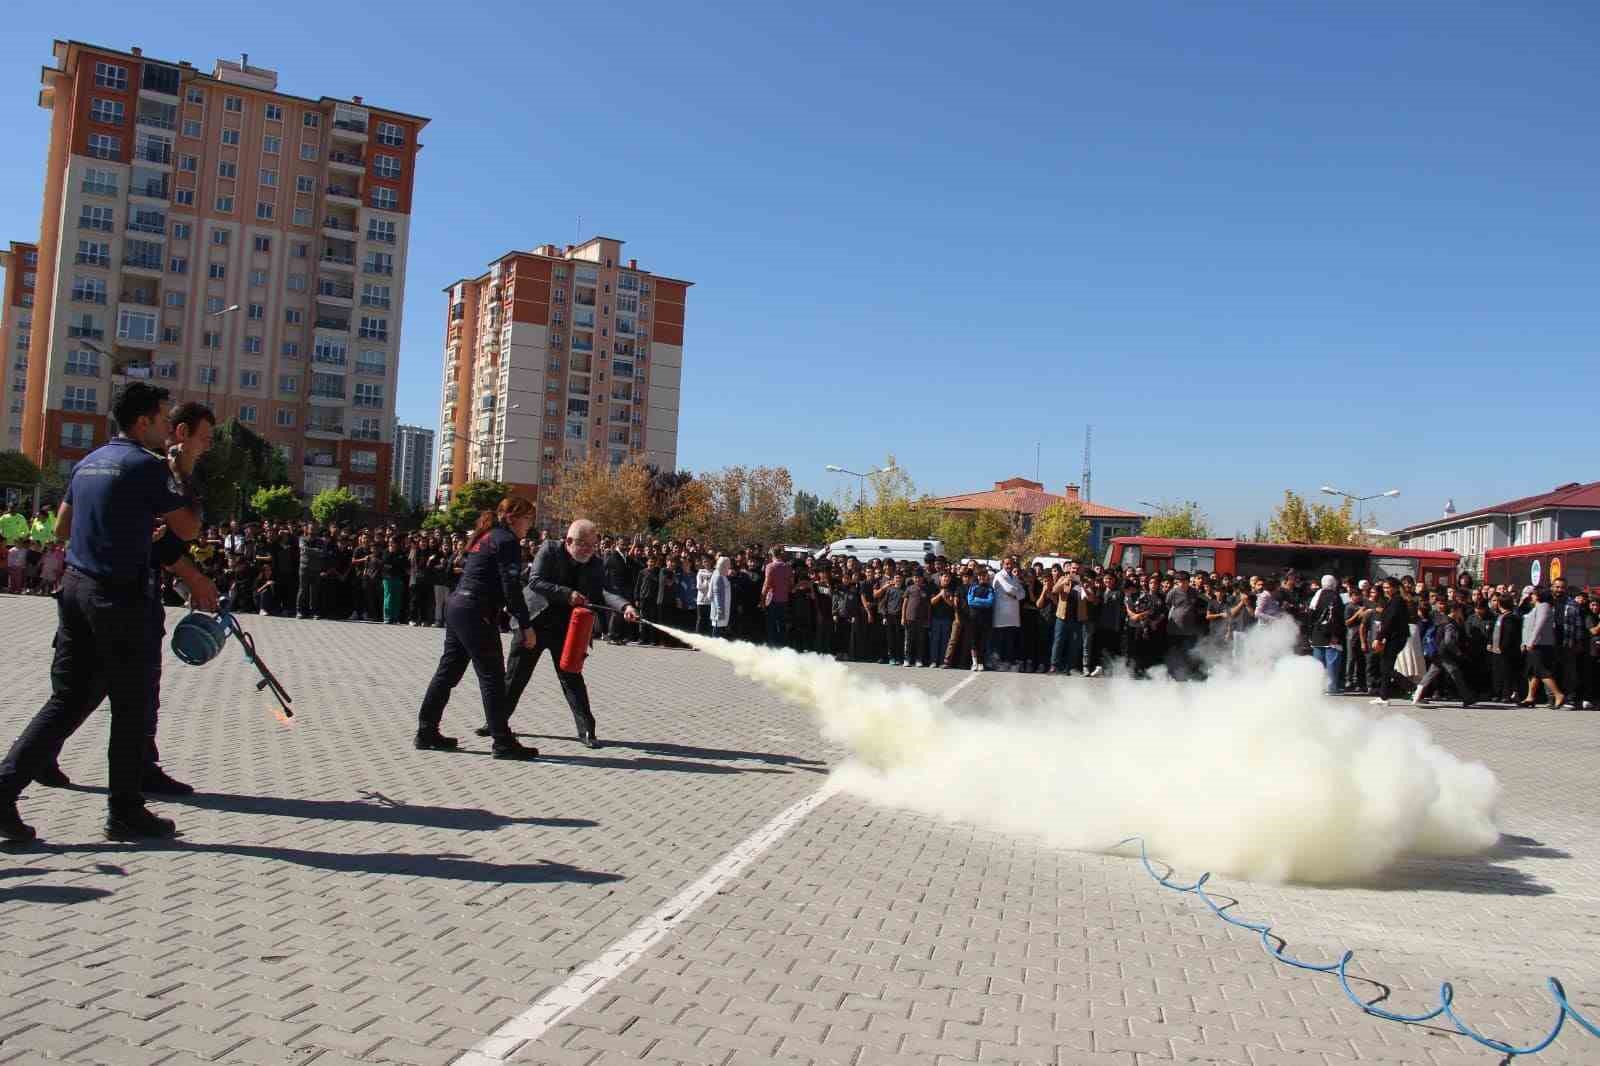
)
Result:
{"points": [[1088, 476]]}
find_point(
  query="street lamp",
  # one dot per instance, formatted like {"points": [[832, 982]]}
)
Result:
{"points": [[862, 490], [211, 360], [1359, 500]]}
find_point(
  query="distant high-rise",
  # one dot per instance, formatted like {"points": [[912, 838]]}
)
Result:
{"points": [[21, 265], [413, 464], [558, 356], [236, 244]]}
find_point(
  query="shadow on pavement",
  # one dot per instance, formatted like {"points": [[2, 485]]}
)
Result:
{"points": [[682, 766], [445, 866], [690, 752], [54, 893], [373, 807], [1477, 876]]}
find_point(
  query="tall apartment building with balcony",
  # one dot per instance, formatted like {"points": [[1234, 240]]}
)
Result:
{"points": [[21, 265], [556, 356], [413, 464], [230, 241]]}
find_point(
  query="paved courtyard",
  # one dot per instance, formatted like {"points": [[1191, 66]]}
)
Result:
{"points": [[339, 897]]}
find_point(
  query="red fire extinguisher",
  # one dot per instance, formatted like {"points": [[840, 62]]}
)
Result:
{"points": [[576, 648]]}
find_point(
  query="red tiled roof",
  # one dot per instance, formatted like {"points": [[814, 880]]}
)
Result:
{"points": [[1574, 494], [1024, 500]]}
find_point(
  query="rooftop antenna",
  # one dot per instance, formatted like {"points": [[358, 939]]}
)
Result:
{"points": [[1088, 440], [579, 237], [1036, 446]]}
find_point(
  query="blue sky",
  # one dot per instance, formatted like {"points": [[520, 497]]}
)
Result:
{"points": [[1257, 248]]}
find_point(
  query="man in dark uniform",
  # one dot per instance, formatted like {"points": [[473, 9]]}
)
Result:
{"points": [[313, 556], [114, 500], [565, 574]]}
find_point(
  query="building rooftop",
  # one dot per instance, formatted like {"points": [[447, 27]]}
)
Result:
{"points": [[1021, 496], [1573, 494]]}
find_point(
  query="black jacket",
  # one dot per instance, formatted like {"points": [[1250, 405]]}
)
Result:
{"points": [[552, 579], [1327, 619], [491, 574], [1394, 627]]}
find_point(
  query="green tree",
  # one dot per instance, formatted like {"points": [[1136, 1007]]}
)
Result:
{"points": [[894, 508], [18, 471], [239, 462], [278, 503], [991, 533], [465, 503], [813, 517], [1291, 520], [1060, 529], [1182, 520], [956, 532], [1297, 523], [334, 505], [1334, 525]]}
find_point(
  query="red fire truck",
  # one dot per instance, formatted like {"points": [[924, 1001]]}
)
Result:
{"points": [[1577, 559], [1251, 559]]}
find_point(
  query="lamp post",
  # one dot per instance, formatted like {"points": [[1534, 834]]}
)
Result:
{"points": [[862, 488], [1359, 500], [211, 366]]}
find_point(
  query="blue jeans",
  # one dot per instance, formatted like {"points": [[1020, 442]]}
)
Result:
{"points": [[938, 639], [1332, 659], [1070, 646], [777, 624]]}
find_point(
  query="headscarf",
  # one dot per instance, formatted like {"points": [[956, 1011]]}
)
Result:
{"points": [[724, 564]]}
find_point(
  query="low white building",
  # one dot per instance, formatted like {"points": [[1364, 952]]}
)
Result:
{"points": [[1565, 511]]}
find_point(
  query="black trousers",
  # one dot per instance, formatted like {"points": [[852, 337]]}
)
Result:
{"points": [[158, 634], [469, 637], [1445, 667], [101, 649], [520, 669], [1386, 660], [310, 596]]}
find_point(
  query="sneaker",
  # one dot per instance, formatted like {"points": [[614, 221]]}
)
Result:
{"points": [[511, 748], [138, 823], [979, 667], [1097, 671], [12, 827], [433, 740], [1379, 702], [52, 777], [158, 782], [589, 740]]}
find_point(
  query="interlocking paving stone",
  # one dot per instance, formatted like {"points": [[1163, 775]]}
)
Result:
{"points": [[339, 897]]}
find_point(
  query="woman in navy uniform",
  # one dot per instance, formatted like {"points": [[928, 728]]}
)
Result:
{"points": [[490, 583]]}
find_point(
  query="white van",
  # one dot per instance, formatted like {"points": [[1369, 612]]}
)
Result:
{"points": [[1047, 561], [865, 548]]}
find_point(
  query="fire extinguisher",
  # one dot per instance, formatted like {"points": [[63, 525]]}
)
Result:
{"points": [[576, 648]]}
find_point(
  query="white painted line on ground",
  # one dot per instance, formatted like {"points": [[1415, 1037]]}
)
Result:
{"points": [[584, 982]]}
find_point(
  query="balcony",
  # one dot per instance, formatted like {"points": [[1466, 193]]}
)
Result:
{"points": [[367, 401], [144, 265], [326, 361], [158, 81], [324, 429], [348, 130], [327, 396], [337, 260], [365, 433], [344, 196], [150, 222], [154, 152], [372, 266], [140, 298], [336, 325], [347, 163], [158, 117], [150, 190], [339, 231], [86, 259], [86, 333], [331, 290]]}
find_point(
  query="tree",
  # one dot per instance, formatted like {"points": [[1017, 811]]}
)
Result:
{"points": [[665, 486], [18, 471], [465, 503], [813, 517], [334, 505], [1060, 529], [238, 463], [991, 532], [278, 503], [1182, 520], [614, 498], [895, 509], [745, 505], [1296, 523]]}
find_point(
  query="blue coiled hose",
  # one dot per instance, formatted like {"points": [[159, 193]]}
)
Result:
{"points": [[1446, 1007]]}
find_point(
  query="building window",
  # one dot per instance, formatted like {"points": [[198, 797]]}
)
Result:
{"points": [[256, 312], [286, 417], [191, 127], [195, 96], [269, 178], [183, 197], [188, 164], [299, 249], [385, 199], [291, 349], [251, 346], [305, 184], [296, 283], [216, 271], [270, 144], [79, 398], [264, 210], [308, 151], [391, 135], [180, 231], [364, 462], [378, 263], [219, 236], [368, 394], [210, 340], [310, 120], [234, 104], [375, 296], [274, 113], [94, 253], [171, 335], [83, 364], [89, 290], [213, 304], [249, 379], [293, 316], [136, 326], [263, 243], [230, 137], [289, 384], [100, 182], [176, 299], [208, 375], [167, 369], [386, 166], [77, 435], [367, 429], [110, 76], [372, 362], [376, 329], [226, 169], [100, 218], [105, 146], [108, 111], [247, 413], [302, 216], [380, 230], [225, 204]]}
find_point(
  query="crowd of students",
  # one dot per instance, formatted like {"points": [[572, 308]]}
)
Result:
{"points": [[1471, 641]]}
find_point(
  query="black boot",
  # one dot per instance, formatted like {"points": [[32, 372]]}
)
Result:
{"points": [[137, 823], [12, 827], [430, 739], [509, 747], [52, 777], [588, 739]]}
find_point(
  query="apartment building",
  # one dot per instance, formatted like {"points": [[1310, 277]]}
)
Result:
{"points": [[413, 464], [21, 265], [557, 356], [233, 242]]}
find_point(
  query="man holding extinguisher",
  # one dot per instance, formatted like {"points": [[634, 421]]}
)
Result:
{"points": [[565, 574]]}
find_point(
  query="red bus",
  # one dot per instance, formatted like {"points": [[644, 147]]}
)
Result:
{"points": [[1577, 559], [1244, 558]]}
